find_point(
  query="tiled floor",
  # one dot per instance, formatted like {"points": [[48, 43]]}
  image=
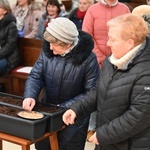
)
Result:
{"points": [[10, 146], [89, 146]]}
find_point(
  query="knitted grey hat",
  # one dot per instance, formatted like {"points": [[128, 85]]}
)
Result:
{"points": [[63, 29]]}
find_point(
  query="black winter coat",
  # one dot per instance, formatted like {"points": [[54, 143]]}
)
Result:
{"points": [[8, 41], [64, 78], [123, 104]]}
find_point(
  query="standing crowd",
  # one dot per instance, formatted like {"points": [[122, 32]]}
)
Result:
{"points": [[94, 62]]}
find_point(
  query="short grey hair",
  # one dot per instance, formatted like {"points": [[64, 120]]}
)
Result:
{"points": [[51, 39], [4, 4]]}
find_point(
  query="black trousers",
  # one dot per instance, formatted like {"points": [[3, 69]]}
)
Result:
{"points": [[72, 137]]}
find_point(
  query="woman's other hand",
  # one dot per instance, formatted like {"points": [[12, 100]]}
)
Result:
{"points": [[69, 117], [28, 104]]}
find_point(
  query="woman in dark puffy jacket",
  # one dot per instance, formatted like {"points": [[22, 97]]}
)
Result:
{"points": [[123, 91], [9, 53], [67, 69]]}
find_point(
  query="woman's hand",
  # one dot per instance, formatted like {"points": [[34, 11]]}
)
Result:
{"points": [[28, 104], [93, 139], [69, 117]]}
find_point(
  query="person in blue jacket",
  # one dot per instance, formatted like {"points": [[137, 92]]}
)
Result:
{"points": [[67, 69]]}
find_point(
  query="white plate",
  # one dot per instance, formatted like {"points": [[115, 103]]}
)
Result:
{"points": [[30, 114]]}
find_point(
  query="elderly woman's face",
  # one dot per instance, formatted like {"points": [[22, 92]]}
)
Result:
{"points": [[22, 3], [119, 46], [58, 49]]}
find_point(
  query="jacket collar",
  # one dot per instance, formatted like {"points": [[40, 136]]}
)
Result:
{"points": [[80, 51], [123, 62], [105, 3]]}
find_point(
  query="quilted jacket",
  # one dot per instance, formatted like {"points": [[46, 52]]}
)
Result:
{"points": [[8, 41], [123, 104], [64, 78]]}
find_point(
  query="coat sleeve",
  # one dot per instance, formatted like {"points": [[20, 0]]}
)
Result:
{"points": [[34, 83], [86, 105], [134, 120], [11, 41], [88, 26], [91, 76]]}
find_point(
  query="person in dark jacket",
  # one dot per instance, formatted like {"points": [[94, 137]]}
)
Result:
{"points": [[9, 53], [67, 69], [77, 14], [122, 94]]}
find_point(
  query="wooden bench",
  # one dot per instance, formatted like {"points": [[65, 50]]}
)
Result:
{"points": [[135, 3], [14, 82], [25, 144], [68, 4]]}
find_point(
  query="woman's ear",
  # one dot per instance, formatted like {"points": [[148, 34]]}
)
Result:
{"points": [[131, 44]]}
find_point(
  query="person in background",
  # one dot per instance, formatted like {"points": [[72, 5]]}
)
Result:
{"points": [[53, 10], [95, 24], [77, 15], [75, 4], [27, 16], [9, 53], [122, 94], [148, 2], [44, 2], [66, 62], [143, 11]]}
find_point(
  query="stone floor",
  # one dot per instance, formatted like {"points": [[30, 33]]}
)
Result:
{"points": [[10, 146]]}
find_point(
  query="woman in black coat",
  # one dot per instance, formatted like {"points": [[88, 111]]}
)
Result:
{"points": [[9, 53], [122, 95]]}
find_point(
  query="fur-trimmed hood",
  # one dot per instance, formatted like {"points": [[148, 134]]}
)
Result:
{"points": [[79, 53]]}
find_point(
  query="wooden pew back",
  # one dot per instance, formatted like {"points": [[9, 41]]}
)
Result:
{"points": [[30, 50], [14, 82], [135, 3]]}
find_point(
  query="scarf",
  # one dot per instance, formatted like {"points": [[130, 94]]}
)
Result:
{"points": [[124, 61], [20, 17], [105, 3], [48, 19], [80, 14]]}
